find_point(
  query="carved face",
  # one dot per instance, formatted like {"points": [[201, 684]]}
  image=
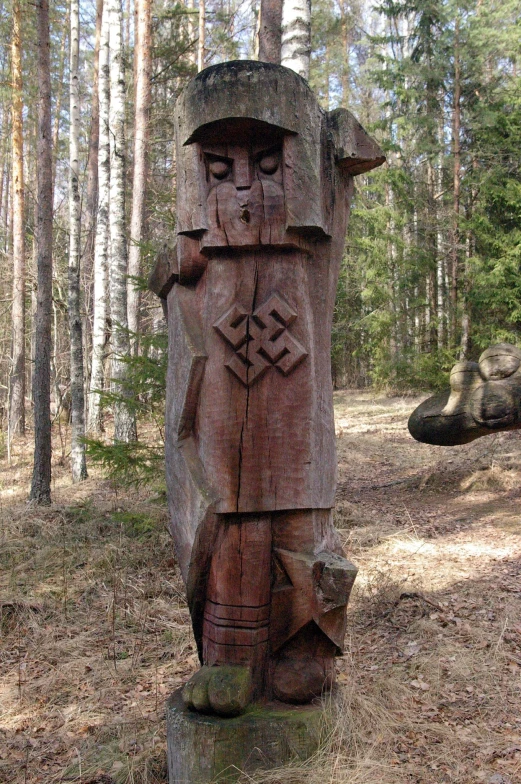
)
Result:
{"points": [[245, 192]]}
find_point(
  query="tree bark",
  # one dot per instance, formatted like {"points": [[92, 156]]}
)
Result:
{"points": [[192, 30], [17, 376], [441, 264], [124, 420], [102, 235], [78, 463], [59, 92], [456, 123], [92, 163], [346, 47], [41, 480], [270, 31], [139, 182], [201, 41], [296, 36]]}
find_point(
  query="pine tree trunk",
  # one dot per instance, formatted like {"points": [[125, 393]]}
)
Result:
{"points": [[99, 328], [296, 36], [124, 420], [465, 315], [346, 46], [456, 123], [78, 463], [443, 321], [41, 480], [192, 30], [17, 377], [139, 182], [270, 31]]}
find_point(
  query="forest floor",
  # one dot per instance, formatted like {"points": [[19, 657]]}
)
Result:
{"points": [[95, 632]]}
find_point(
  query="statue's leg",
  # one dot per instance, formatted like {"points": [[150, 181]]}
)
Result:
{"points": [[311, 586], [236, 618]]}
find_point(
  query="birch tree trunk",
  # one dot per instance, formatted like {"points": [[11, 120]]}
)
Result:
{"points": [[92, 164], [124, 420], [296, 36], [201, 41], [139, 182], [58, 105], [78, 464], [41, 480], [17, 376], [94, 421], [270, 31]]}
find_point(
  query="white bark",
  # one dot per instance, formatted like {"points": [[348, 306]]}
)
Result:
{"points": [[296, 36], [17, 374], [201, 40], [78, 464], [139, 181], [124, 420], [102, 236]]}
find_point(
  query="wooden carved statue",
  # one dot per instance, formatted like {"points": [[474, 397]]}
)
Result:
{"points": [[264, 184], [484, 398]]}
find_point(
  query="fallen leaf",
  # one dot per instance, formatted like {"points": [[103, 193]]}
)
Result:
{"points": [[420, 685]]}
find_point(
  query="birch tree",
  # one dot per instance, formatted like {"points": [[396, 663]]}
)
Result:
{"points": [[202, 33], [296, 36], [41, 480], [92, 163], [139, 182], [124, 420], [102, 235], [78, 463], [17, 377]]}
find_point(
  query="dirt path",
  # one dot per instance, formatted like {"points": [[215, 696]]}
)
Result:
{"points": [[95, 631], [436, 619]]}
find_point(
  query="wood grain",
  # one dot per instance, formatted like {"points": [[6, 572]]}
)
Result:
{"points": [[263, 195]]}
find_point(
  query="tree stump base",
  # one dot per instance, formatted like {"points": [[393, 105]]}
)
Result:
{"points": [[204, 749]]}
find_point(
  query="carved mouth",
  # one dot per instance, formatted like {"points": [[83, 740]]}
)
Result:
{"points": [[245, 216]]}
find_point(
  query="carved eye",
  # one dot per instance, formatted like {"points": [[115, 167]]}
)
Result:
{"points": [[269, 164], [220, 169]]}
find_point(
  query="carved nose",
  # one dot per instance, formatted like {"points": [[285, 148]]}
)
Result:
{"points": [[242, 171]]}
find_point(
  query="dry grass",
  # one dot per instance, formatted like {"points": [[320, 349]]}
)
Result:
{"points": [[95, 632]]}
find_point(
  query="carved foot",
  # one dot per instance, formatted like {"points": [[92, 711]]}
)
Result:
{"points": [[224, 690], [484, 397]]}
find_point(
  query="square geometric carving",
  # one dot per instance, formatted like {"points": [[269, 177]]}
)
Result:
{"points": [[261, 340]]}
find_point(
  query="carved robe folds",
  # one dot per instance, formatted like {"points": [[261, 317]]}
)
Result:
{"points": [[264, 188]]}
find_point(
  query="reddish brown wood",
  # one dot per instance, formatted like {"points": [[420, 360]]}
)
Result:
{"points": [[237, 610], [264, 188]]}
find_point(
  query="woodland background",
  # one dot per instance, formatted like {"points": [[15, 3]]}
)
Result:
{"points": [[431, 269], [94, 628]]}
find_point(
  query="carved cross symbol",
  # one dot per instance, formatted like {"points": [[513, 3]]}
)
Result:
{"points": [[261, 339]]}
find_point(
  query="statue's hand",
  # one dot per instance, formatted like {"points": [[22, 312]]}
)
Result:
{"points": [[484, 397]]}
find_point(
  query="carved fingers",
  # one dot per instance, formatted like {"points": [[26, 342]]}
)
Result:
{"points": [[484, 397]]}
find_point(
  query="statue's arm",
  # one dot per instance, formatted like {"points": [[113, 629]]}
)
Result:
{"points": [[484, 398]]}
